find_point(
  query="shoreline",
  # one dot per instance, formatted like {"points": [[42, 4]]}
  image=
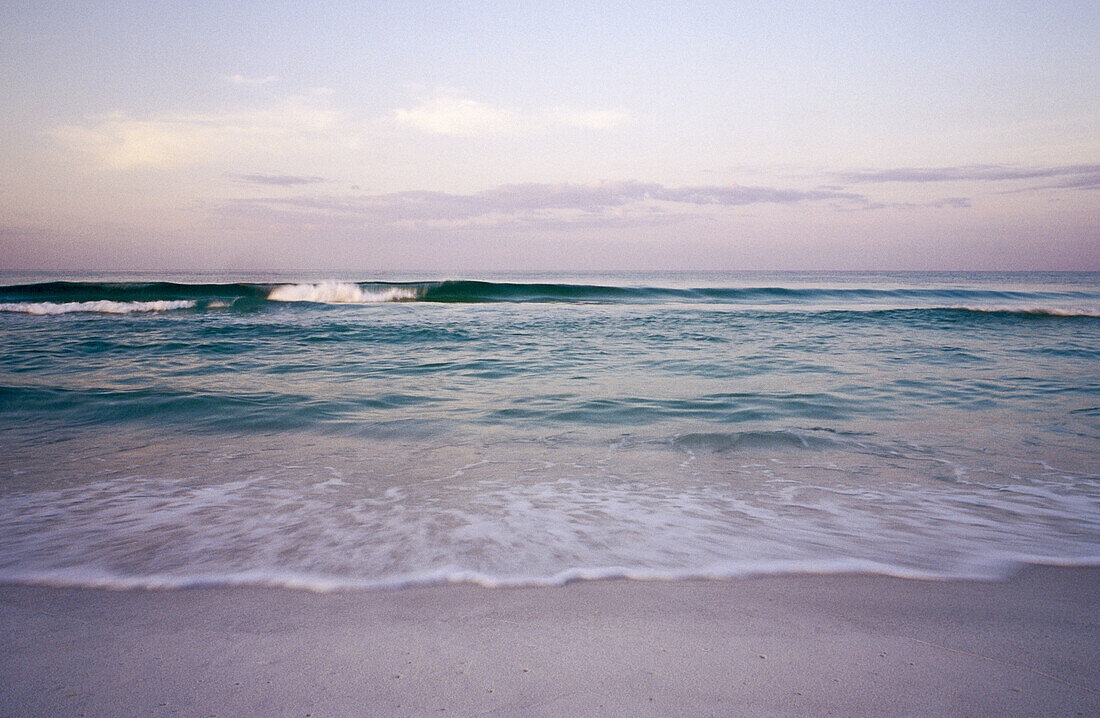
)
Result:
{"points": [[769, 645], [993, 572]]}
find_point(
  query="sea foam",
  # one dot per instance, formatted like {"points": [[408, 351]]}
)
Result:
{"points": [[339, 293], [997, 568], [98, 307], [1041, 311]]}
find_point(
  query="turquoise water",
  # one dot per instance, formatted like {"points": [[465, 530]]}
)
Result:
{"points": [[379, 431]]}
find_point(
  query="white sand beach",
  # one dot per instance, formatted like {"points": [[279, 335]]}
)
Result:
{"points": [[796, 645]]}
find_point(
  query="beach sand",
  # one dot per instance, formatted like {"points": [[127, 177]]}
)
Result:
{"points": [[794, 645]]}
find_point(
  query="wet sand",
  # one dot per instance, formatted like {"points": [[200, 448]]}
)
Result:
{"points": [[795, 645]]}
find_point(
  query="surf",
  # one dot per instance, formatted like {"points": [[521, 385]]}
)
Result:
{"points": [[101, 306], [341, 293], [63, 297]]}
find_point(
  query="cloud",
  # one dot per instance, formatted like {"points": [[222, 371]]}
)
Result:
{"points": [[1084, 180], [119, 141], [455, 116], [450, 114], [739, 195], [242, 80], [305, 126], [533, 204], [952, 202], [988, 173], [278, 180], [590, 119], [945, 202]]}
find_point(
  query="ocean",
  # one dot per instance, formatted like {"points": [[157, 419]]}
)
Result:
{"points": [[328, 432]]}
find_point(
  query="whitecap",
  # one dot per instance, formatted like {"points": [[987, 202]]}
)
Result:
{"points": [[339, 293], [98, 307]]}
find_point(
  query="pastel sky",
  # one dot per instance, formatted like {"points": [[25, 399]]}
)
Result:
{"points": [[386, 136]]}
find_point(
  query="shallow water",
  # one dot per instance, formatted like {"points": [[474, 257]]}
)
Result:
{"points": [[323, 432]]}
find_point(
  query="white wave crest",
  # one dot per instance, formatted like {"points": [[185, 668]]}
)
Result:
{"points": [[1038, 311], [98, 307], [339, 293]]}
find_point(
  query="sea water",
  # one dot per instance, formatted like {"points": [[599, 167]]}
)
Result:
{"points": [[376, 431]]}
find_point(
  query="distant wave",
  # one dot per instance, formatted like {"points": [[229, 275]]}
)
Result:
{"points": [[991, 311], [102, 306], [125, 297], [65, 291], [1036, 311]]}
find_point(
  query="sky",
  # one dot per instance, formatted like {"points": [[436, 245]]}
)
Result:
{"points": [[490, 136]]}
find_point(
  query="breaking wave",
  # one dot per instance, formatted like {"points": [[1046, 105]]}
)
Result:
{"points": [[102, 306], [340, 293], [1033, 311]]}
